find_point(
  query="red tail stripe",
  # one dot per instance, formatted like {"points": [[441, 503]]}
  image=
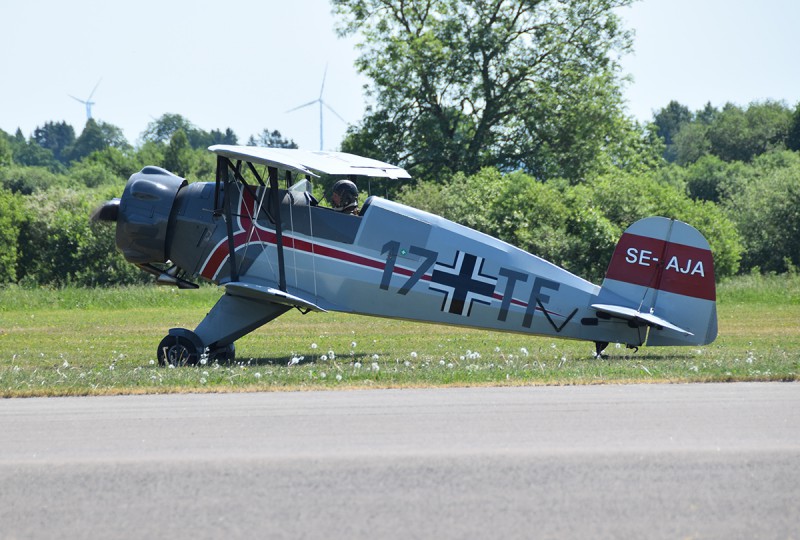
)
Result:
{"points": [[667, 266]]}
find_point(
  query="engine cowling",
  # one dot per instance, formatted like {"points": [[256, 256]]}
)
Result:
{"points": [[143, 218]]}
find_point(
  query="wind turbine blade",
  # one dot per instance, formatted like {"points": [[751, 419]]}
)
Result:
{"points": [[324, 75], [93, 89], [334, 112], [303, 105], [77, 99]]}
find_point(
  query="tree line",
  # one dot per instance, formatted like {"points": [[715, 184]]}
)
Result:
{"points": [[508, 113]]}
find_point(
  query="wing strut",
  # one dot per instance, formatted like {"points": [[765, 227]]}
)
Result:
{"points": [[276, 210]]}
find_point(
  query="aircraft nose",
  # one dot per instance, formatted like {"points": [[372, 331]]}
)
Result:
{"points": [[108, 211]]}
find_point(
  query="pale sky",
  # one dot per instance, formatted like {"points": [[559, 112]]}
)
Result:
{"points": [[243, 63]]}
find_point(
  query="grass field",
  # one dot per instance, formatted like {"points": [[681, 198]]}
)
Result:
{"points": [[103, 341]]}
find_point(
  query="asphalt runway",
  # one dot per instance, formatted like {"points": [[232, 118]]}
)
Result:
{"points": [[638, 461]]}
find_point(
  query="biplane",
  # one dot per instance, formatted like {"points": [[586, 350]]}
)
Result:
{"points": [[258, 232]]}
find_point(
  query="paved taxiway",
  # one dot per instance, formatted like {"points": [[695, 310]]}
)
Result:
{"points": [[639, 461]]}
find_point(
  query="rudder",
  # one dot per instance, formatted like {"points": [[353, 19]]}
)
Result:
{"points": [[662, 275]]}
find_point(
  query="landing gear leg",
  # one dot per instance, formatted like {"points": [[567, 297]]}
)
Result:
{"points": [[599, 347]]}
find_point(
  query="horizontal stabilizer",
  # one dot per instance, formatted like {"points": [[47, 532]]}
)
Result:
{"points": [[269, 295], [632, 314]]}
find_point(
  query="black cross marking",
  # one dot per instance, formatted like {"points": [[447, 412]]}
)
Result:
{"points": [[463, 283]]}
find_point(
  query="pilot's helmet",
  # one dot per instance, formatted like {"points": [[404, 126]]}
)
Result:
{"points": [[347, 194]]}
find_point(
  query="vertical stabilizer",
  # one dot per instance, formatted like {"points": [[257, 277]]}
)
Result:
{"points": [[662, 274]]}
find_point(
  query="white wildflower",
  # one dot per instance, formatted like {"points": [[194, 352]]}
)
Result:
{"points": [[375, 366], [257, 375], [523, 351]]}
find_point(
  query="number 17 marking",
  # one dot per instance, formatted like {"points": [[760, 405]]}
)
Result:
{"points": [[392, 249]]}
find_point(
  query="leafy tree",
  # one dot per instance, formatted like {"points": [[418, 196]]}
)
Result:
{"points": [[32, 155], [178, 155], [26, 180], [91, 139], [793, 137], [740, 135], [59, 246], [271, 139], [767, 214], [691, 143], [668, 122], [56, 137], [712, 179], [161, 131], [226, 137], [463, 84], [576, 227], [6, 153], [10, 220]]}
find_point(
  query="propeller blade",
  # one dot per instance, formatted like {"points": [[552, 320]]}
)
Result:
{"points": [[108, 211]]}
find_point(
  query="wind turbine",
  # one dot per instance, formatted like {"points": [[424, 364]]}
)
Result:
{"points": [[321, 104], [88, 102]]}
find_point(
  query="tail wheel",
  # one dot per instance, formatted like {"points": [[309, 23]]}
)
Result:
{"points": [[178, 351]]}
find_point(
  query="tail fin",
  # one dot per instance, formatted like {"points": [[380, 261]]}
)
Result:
{"points": [[662, 275]]}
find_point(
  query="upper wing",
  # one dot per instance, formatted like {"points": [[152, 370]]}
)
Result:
{"points": [[311, 162]]}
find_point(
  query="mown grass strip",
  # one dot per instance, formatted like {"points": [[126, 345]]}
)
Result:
{"points": [[102, 341]]}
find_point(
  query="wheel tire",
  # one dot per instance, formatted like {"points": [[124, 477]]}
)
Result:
{"points": [[177, 351], [223, 354]]}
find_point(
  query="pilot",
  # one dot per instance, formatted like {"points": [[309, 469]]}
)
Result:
{"points": [[345, 197]]}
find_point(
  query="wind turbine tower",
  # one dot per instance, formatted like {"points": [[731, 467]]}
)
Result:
{"points": [[321, 105], [88, 101]]}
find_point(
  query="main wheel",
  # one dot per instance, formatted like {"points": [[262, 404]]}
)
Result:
{"points": [[226, 354], [177, 351]]}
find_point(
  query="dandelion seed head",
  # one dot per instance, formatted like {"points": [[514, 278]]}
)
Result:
{"points": [[338, 377], [65, 364], [375, 366], [352, 344], [313, 345], [441, 362], [523, 351], [324, 358], [407, 363], [323, 375], [450, 365], [257, 375], [413, 354], [203, 380], [331, 355], [357, 365]]}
